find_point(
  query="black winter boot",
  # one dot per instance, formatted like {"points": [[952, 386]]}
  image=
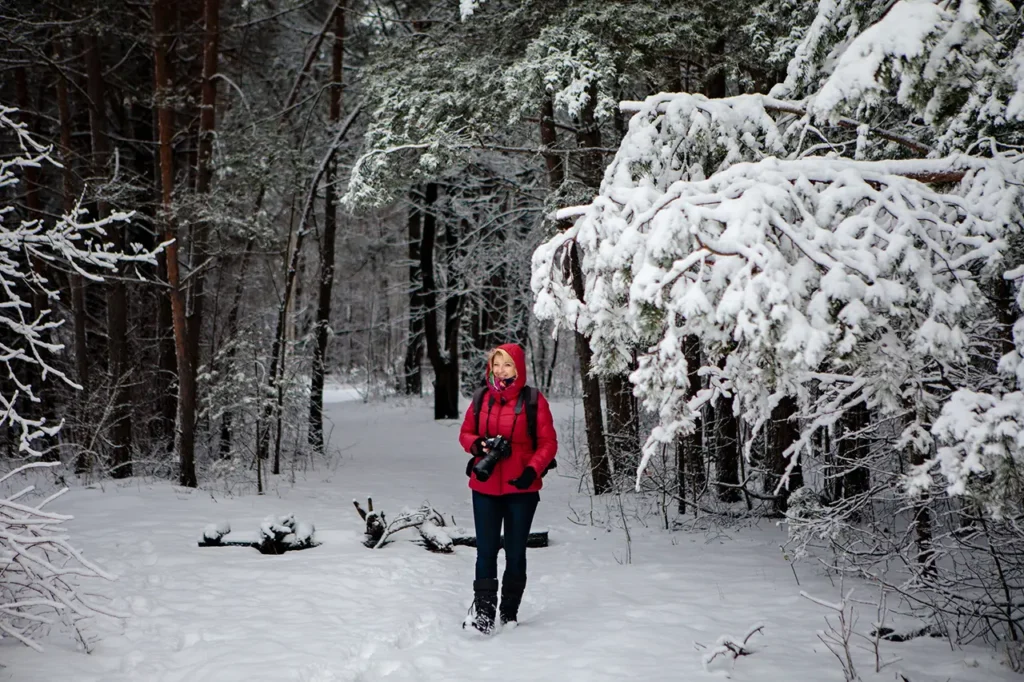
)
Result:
{"points": [[511, 596], [485, 604]]}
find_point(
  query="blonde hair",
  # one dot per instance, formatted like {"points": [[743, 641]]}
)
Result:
{"points": [[499, 354]]}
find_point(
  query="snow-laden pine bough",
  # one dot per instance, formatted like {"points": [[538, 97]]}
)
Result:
{"points": [[40, 571], [435, 533], [276, 535], [860, 317]]}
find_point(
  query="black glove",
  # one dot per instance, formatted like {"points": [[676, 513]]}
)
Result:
{"points": [[525, 479], [477, 448]]}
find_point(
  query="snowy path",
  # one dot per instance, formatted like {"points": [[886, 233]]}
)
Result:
{"points": [[341, 612]]}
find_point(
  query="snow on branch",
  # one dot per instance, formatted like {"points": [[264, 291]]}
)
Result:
{"points": [[800, 265], [772, 104], [40, 568], [956, 67], [730, 647], [982, 449], [72, 242], [569, 64], [800, 275]]}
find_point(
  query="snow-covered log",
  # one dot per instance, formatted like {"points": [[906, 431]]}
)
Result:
{"points": [[463, 536], [276, 535]]}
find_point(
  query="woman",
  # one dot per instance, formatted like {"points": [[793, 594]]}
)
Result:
{"points": [[509, 495]]}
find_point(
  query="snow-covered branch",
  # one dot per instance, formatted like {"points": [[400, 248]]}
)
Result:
{"points": [[73, 242], [801, 276], [40, 569]]}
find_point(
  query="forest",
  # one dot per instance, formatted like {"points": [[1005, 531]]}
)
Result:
{"points": [[772, 250]]}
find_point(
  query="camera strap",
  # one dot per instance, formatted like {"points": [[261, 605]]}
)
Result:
{"points": [[520, 401]]}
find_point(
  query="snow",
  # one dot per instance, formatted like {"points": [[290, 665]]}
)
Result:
{"points": [[335, 392], [467, 8], [596, 608], [903, 35]]}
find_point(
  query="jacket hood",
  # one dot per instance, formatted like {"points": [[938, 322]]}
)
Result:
{"points": [[518, 355]]}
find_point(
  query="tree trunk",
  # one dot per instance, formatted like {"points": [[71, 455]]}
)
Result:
{"points": [[727, 451], [167, 365], [413, 365], [277, 351], [32, 200], [715, 86], [852, 477], [783, 433], [77, 283], [44, 405], [544, 368], [549, 374], [186, 375], [444, 362], [623, 426], [117, 297], [923, 531], [623, 445], [600, 471], [690, 448], [231, 333], [1005, 305], [323, 308], [200, 248]]}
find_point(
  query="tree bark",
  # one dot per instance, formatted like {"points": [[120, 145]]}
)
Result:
{"points": [[117, 297], [186, 375], [413, 365], [323, 309]]}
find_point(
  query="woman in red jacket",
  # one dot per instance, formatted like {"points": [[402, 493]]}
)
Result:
{"points": [[509, 494]]}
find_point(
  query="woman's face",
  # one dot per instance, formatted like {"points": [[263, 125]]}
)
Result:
{"points": [[503, 367]]}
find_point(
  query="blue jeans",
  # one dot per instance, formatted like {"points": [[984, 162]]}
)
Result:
{"points": [[489, 512]]}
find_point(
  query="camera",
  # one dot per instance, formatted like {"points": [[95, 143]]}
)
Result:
{"points": [[498, 448]]}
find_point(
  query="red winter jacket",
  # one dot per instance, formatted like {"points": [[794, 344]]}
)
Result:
{"points": [[497, 420]]}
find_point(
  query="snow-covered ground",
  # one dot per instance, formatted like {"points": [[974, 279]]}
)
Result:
{"points": [[595, 608]]}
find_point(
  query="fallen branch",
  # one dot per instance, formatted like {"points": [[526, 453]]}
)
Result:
{"points": [[434, 532], [730, 646]]}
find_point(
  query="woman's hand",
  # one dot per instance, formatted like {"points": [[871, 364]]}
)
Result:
{"points": [[525, 479]]}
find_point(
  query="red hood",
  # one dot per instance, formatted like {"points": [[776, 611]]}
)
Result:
{"points": [[515, 351]]}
